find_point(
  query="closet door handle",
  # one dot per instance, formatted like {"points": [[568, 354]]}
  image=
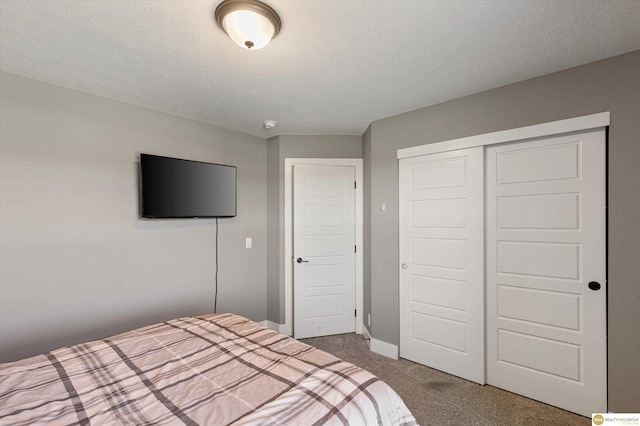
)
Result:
{"points": [[299, 260], [594, 285]]}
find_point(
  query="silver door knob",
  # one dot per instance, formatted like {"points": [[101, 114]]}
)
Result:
{"points": [[404, 266]]}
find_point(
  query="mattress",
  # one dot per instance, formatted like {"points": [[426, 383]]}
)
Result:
{"points": [[206, 370]]}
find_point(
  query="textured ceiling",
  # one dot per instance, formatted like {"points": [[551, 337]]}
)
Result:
{"points": [[335, 66]]}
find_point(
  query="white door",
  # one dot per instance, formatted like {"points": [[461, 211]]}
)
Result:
{"points": [[546, 329], [323, 250], [441, 256]]}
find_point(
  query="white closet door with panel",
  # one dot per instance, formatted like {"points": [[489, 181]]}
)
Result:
{"points": [[546, 224], [441, 256]]}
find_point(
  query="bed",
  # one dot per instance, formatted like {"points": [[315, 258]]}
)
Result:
{"points": [[210, 369]]}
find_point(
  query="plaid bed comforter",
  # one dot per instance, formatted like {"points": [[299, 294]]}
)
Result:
{"points": [[212, 369]]}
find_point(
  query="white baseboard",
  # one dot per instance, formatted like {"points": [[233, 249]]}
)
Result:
{"points": [[270, 324], [384, 348], [377, 346], [286, 330], [280, 328]]}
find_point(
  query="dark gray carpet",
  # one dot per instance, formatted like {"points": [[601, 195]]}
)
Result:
{"points": [[437, 398]]}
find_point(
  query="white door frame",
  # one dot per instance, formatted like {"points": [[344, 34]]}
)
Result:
{"points": [[288, 234]]}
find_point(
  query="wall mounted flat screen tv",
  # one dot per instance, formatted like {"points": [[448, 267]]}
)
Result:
{"points": [[175, 188]]}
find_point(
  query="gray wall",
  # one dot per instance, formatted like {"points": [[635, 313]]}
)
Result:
{"points": [[76, 261], [609, 85], [293, 146]]}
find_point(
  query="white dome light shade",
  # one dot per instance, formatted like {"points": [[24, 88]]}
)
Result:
{"points": [[248, 29], [249, 23]]}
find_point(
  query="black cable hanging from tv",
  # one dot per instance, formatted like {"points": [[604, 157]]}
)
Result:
{"points": [[215, 298]]}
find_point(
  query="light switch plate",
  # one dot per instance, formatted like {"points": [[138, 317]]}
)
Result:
{"points": [[248, 242]]}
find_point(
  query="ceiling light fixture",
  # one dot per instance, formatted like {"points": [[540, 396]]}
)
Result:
{"points": [[249, 23]]}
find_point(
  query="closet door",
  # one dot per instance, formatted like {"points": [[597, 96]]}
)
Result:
{"points": [[441, 257], [546, 276]]}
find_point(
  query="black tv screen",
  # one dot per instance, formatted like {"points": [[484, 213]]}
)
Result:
{"points": [[174, 188]]}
